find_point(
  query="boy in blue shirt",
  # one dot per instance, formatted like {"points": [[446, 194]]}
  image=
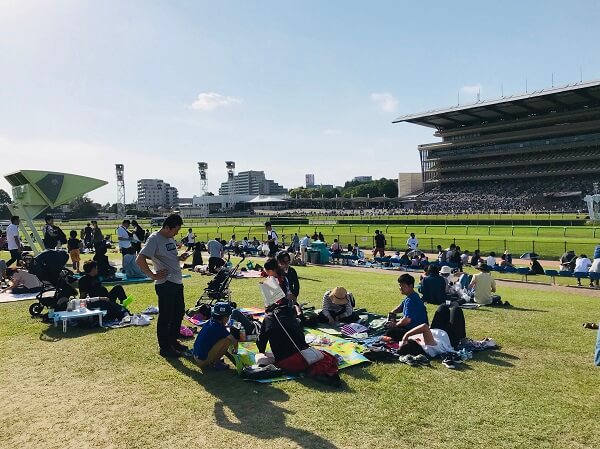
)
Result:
{"points": [[413, 309], [214, 339]]}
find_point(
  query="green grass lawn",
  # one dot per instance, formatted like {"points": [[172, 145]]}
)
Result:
{"points": [[548, 241], [110, 389]]}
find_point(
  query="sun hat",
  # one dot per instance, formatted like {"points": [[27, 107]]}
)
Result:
{"points": [[446, 270], [338, 296], [221, 309]]}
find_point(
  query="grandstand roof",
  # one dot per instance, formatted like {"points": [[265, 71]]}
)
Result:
{"points": [[507, 108]]}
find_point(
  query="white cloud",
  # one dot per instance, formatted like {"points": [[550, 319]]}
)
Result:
{"points": [[332, 131], [385, 101], [472, 89], [208, 101]]}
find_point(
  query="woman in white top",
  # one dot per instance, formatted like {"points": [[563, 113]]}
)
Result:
{"points": [[434, 342], [441, 337], [582, 265]]}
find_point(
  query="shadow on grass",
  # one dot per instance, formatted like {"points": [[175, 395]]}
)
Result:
{"points": [[309, 279], [524, 309], [255, 408], [53, 334], [495, 357]]}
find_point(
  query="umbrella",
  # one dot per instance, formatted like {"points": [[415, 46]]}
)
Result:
{"points": [[529, 256], [415, 252]]}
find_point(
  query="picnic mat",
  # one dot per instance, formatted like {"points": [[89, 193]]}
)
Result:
{"points": [[121, 279], [247, 274], [345, 351], [10, 297]]}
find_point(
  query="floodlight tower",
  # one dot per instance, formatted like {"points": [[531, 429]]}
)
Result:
{"points": [[230, 165], [120, 170], [202, 168]]}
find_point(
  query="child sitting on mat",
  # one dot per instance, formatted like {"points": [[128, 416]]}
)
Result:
{"points": [[214, 340]]}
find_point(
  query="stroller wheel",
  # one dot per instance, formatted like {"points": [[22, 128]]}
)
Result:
{"points": [[36, 309]]}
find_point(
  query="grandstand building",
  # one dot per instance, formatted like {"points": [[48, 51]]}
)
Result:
{"points": [[539, 150]]}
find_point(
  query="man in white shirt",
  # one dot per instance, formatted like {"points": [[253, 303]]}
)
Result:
{"points": [[272, 239], [191, 239], [491, 259], [412, 241], [304, 244], [582, 265], [124, 239], [14, 241], [215, 255]]}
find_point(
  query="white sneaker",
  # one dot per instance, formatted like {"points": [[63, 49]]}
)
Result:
{"points": [[140, 320], [150, 310]]}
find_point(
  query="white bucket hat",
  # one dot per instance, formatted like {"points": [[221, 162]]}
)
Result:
{"points": [[446, 270]]}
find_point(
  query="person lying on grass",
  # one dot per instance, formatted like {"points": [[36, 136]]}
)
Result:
{"points": [[446, 330], [412, 307], [214, 340]]}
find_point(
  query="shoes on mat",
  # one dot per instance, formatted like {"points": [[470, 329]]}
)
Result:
{"points": [[448, 362], [127, 301], [408, 359], [150, 310], [422, 359]]}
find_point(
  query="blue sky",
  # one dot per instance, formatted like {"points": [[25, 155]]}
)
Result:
{"points": [[285, 87]]}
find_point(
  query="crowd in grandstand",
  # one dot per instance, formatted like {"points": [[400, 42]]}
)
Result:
{"points": [[559, 194]]}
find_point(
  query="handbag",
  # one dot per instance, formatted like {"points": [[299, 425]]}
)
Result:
{"points": [[310, 355]]}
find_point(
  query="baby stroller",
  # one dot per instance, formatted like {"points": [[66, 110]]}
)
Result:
{"points": [[216, 290], [49, 267]]}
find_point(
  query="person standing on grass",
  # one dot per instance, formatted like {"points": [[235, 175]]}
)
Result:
{"points": [[97, 237], [304, 244], [15, 247], [54, 237], [138, 236], [215, 255], [191, 240], [88, 232], [379, 244], [412, 242], [125, 238], [272, 239], [161, 248], [74, 247]]}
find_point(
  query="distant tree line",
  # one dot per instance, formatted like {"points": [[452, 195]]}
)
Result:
{"points": [[382, 187]]}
